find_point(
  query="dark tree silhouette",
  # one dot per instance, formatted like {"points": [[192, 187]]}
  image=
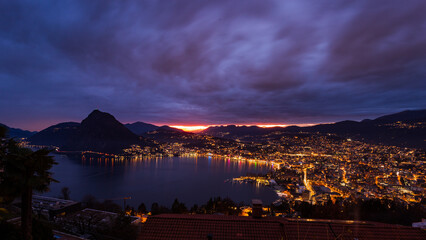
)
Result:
{"points": [[23, 172], [155, 209], [178, 207], [66, 193], [142, 208]]}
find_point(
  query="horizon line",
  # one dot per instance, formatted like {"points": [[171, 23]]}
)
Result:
{"points": [[196, 127], [199, 128]]}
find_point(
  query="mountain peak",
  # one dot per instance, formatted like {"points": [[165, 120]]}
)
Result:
{"points": [[102, 122], [97, 118], [98, 114], [99, 132]]}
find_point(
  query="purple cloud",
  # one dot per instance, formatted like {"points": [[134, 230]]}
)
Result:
{"points": [[210, 62]]}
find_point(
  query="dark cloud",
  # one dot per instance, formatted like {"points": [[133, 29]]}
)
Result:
{"points": [[210, 62]]}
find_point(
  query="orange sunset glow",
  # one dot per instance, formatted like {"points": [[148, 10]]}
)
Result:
{"points": [[202, 127], [199, 128], [190, 128]]}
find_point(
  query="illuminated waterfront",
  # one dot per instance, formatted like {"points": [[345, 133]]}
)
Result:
{"points": [[191, 179]]}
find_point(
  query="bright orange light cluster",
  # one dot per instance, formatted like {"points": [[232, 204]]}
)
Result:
{"points": [[191, 128]]}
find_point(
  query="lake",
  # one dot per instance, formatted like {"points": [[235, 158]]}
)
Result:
{"points": [[193, 180]]}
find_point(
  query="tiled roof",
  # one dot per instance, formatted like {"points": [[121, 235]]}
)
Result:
{"points": [[179, 226], [325, 230]]}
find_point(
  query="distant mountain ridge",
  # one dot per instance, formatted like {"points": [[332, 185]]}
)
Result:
{"points": [[17, 132], [166, 128], [405, 116], [139, 128], [164, 132], [233, 131], [99, 132], [404, 129], [62, 134]]}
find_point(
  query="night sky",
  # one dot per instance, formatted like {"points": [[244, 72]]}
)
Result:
{"points": [[210, 62]]}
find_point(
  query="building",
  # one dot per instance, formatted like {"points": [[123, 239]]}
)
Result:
{"points": [[421, 224], [88, 221], [52, 207], [180, 226]]}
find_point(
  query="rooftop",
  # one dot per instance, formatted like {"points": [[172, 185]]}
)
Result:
{"points": [[179, 226], [51, 203]]}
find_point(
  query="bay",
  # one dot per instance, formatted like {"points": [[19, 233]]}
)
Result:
{"points": [[191, 179]]}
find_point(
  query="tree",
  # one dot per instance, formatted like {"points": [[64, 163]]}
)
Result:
{"points": [[65, 193], [194, 208], [3, 150], [155, 209], [120, 228], [158, 209], [90, 201], [178, 207], [142, 208], [24, 171], [2, 132]]}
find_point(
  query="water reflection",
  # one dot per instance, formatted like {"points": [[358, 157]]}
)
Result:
{"points": [[226, 163], [191, 179]]}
